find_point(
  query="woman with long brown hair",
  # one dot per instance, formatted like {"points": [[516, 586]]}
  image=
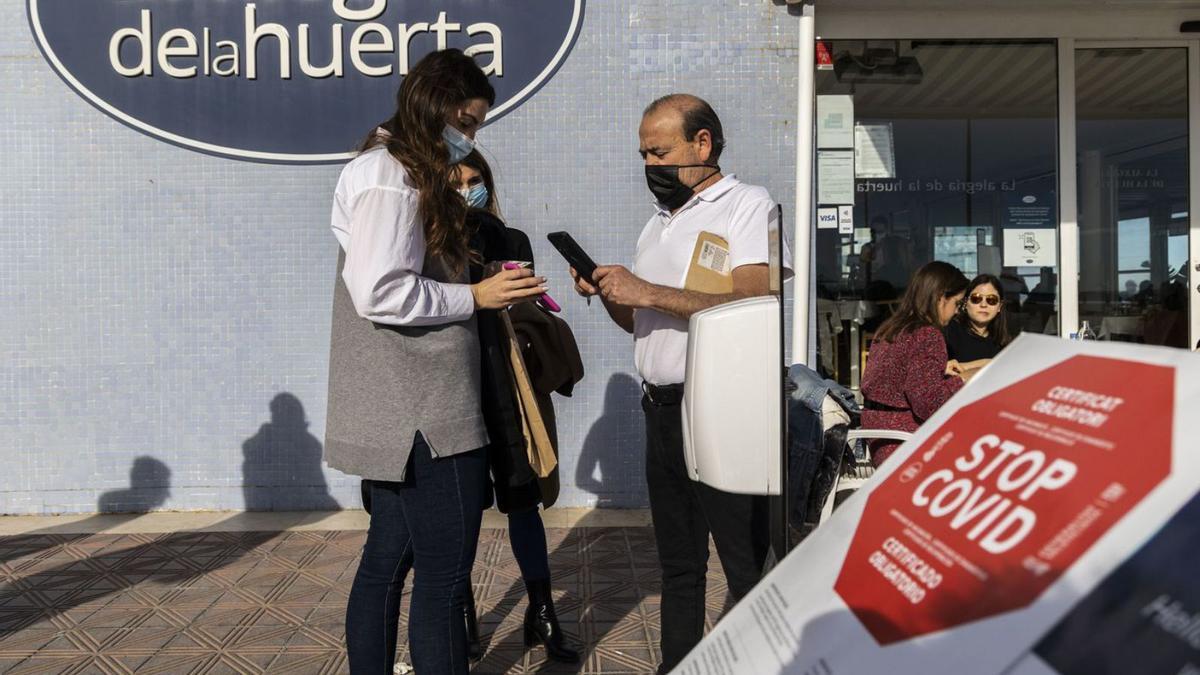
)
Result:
{"points": [[404, 383], [907, 378]]}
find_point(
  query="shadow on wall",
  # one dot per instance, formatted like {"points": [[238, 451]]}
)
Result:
{"points": [[282, 468], [149, 488], [612, 463], [281, 464]]}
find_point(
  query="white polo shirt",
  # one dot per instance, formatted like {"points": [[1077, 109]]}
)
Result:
{"points": [[730, 209]]}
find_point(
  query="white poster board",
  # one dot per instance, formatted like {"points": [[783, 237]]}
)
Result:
{"points": [[1057, 462]]}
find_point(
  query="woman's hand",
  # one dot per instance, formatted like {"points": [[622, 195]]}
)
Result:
{"points": [[506, 288], [953, 368]]}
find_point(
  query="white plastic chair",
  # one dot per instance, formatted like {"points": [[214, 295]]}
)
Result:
{"points": [[852, 478]]}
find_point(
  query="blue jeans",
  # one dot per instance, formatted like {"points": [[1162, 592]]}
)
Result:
{"points": [[430, 523]]}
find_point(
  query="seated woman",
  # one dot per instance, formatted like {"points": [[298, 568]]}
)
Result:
{"points": [[907, 377], [980, 330]]}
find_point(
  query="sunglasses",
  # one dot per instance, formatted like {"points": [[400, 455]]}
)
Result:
{"points": [[991, 300]]}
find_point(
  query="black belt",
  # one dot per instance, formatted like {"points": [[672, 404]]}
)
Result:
{"points": [[882, 407], [663, 394]]}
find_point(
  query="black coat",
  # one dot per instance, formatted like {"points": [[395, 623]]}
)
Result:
{"points": [[514, 482]]}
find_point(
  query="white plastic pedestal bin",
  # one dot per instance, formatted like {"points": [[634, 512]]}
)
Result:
{"points": [[732, 409]]}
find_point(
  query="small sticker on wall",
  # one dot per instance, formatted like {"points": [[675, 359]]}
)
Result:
{"points": [[827, 218], [845, 219], [824, 55]]}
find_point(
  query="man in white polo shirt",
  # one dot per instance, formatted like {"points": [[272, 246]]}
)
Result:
{"points": [[681, 140]]}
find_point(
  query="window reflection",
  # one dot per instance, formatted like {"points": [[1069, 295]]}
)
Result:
{"points": [[972, 130], [1133, 188]]}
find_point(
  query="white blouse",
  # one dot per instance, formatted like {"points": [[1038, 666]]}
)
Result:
{"points": [[375, 219]]}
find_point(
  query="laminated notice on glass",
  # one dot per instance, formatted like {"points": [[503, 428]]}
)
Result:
{"points": [[835, 121], [835, 177], [875, 151], [1030, 247]]}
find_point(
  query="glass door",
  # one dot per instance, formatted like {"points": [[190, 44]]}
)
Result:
{"points": [[933, 150], [1132, 163]]}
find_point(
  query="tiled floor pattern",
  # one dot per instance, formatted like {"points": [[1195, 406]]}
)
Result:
{"points": [[255, 602]]}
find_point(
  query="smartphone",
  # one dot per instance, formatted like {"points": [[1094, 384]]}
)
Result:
{"points": [[544, 299], [574, 254]]}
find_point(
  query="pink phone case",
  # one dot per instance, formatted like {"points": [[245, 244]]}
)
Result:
{"points": [[545, 299]]}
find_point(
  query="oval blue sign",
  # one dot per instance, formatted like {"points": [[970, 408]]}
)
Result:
{"points": [[294, 81]]}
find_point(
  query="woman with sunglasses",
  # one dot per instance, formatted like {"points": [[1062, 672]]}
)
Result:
{"points": [[907, 378], [980, 329]]}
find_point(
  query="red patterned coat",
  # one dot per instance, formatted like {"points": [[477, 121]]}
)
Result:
{"points": [[904, 384]]}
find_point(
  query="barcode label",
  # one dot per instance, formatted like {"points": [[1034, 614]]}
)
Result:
{"points": [[714, 258]]}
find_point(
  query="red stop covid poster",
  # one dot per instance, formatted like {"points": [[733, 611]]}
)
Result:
{"points": [[988, 512], [976, 538]]}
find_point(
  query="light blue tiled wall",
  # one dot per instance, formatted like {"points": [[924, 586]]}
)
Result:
{"points": [[155, 301]]}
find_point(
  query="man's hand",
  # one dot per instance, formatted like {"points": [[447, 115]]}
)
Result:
{"points": [[582, 286], [621, 314], [620, 286]]}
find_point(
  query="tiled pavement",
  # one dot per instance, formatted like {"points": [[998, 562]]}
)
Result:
{"points": [[254, 602]]}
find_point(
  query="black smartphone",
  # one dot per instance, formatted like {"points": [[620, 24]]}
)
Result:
{"points": [[573, 252]]}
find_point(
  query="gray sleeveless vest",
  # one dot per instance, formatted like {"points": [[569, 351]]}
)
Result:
{"points": [[386, 383]]}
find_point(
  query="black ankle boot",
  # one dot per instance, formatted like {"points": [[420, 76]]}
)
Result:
{"points": [[473, 651], [541, 623]]}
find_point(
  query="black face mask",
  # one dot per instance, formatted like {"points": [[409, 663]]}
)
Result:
{"points": [[663, 181]]}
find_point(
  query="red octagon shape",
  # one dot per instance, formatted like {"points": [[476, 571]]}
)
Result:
{"points": [[1007, 495]]}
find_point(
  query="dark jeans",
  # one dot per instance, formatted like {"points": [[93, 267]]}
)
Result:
{"points": [[527, 535], [684, 512], [428, 523]]}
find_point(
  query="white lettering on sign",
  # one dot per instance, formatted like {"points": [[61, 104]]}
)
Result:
{"points": [[177, 53], [986, 496], [1076, 405], [1171, 616]]}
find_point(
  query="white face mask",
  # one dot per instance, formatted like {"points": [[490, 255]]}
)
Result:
{"points": [[457, 143], [476, 195]]}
